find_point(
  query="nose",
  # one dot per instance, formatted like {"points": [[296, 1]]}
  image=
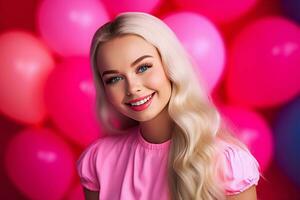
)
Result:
{"points": [[133, 86]]}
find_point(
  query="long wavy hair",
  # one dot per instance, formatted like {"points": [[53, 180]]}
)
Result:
{"points": [[191, 167]]}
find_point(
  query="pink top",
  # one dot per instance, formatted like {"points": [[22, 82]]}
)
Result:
{"points": [[128, 167]]}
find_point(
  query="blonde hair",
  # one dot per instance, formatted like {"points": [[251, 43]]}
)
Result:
{"points": [[197, 122]]}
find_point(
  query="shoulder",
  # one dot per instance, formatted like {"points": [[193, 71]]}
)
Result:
{"points": [[237, 168], [86, 167], [105, 145], [93, 157]]}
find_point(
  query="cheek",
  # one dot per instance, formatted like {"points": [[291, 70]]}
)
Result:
{"points": [[114, 96], [154, 81], [158, 80]]}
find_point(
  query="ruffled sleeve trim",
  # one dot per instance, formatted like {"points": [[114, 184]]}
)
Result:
{"points": [[86, 168], [237, 168]]}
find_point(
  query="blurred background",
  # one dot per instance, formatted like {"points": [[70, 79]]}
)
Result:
{"points": [[246, 52]]}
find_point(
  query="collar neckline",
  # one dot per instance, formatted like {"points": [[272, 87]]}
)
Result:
{"points": [[150, 145]]}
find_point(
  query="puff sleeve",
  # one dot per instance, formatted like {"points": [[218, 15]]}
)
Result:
{"points": [[86, 168], [238, 169]]}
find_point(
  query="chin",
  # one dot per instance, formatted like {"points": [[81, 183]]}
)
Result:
{"points": [[143, 117]]}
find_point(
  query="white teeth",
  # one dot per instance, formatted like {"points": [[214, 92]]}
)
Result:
{"points": [[141, 101]]}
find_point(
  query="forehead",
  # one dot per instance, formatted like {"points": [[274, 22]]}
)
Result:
{"points": [[122, 51]]}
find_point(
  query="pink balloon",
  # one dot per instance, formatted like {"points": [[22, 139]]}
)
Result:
{"points": [[253, 131], [25, 63], [40, 164], [203, 42], [68, 26], [70, 99], [117, 6], [218, 10], [76, 193], [264, 63]]}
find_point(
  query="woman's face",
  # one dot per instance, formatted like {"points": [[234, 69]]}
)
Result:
{"points": [[133, 77]]}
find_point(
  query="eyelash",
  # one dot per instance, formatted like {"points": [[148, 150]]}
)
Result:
{"points": [[110, 80]]}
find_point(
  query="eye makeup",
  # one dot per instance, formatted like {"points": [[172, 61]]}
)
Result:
{"points": [[114, 79]]}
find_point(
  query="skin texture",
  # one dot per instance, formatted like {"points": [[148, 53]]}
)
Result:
{"points": [[249, 194], [134, 81], [137, 81]]}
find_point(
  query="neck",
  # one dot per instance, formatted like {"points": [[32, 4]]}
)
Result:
{"points": [[159, 129]]}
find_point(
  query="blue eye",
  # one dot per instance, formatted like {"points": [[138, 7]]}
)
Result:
{"points": [[144, 67], [113, 80]]}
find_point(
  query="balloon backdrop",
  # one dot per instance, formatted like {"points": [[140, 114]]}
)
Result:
{"points": [[70, 100], [253, 131], [287, 139], [291, 9], [23, 15], [218, 10], [258, 52], [68, 26], [276, 186], [264, 64], [25, 64], [76, 193], [202, 41], [7, 130], [117, 6], [40, 164]]}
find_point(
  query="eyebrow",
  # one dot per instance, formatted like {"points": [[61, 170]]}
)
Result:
{"points": [[132, 64]]}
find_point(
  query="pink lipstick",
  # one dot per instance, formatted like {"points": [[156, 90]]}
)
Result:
{"points": [[142, 103]]}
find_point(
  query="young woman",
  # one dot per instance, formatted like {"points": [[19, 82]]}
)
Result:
{"points": [[176, 147]]}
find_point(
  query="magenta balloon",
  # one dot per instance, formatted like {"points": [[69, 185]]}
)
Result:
{"points": [[25, 64], [222, 11], [117, 6], [40, 164], [68, 25], [204, 43], [253, 131], [264, 63], [70, 99]]}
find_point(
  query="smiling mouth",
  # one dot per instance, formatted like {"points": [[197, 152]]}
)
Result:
{"points": [[141, 102]]}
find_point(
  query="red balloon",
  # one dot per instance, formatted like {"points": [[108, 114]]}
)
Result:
{"points": [[276, 186], [7, 131], [18, 14], [25, 64], [76, 193]]}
